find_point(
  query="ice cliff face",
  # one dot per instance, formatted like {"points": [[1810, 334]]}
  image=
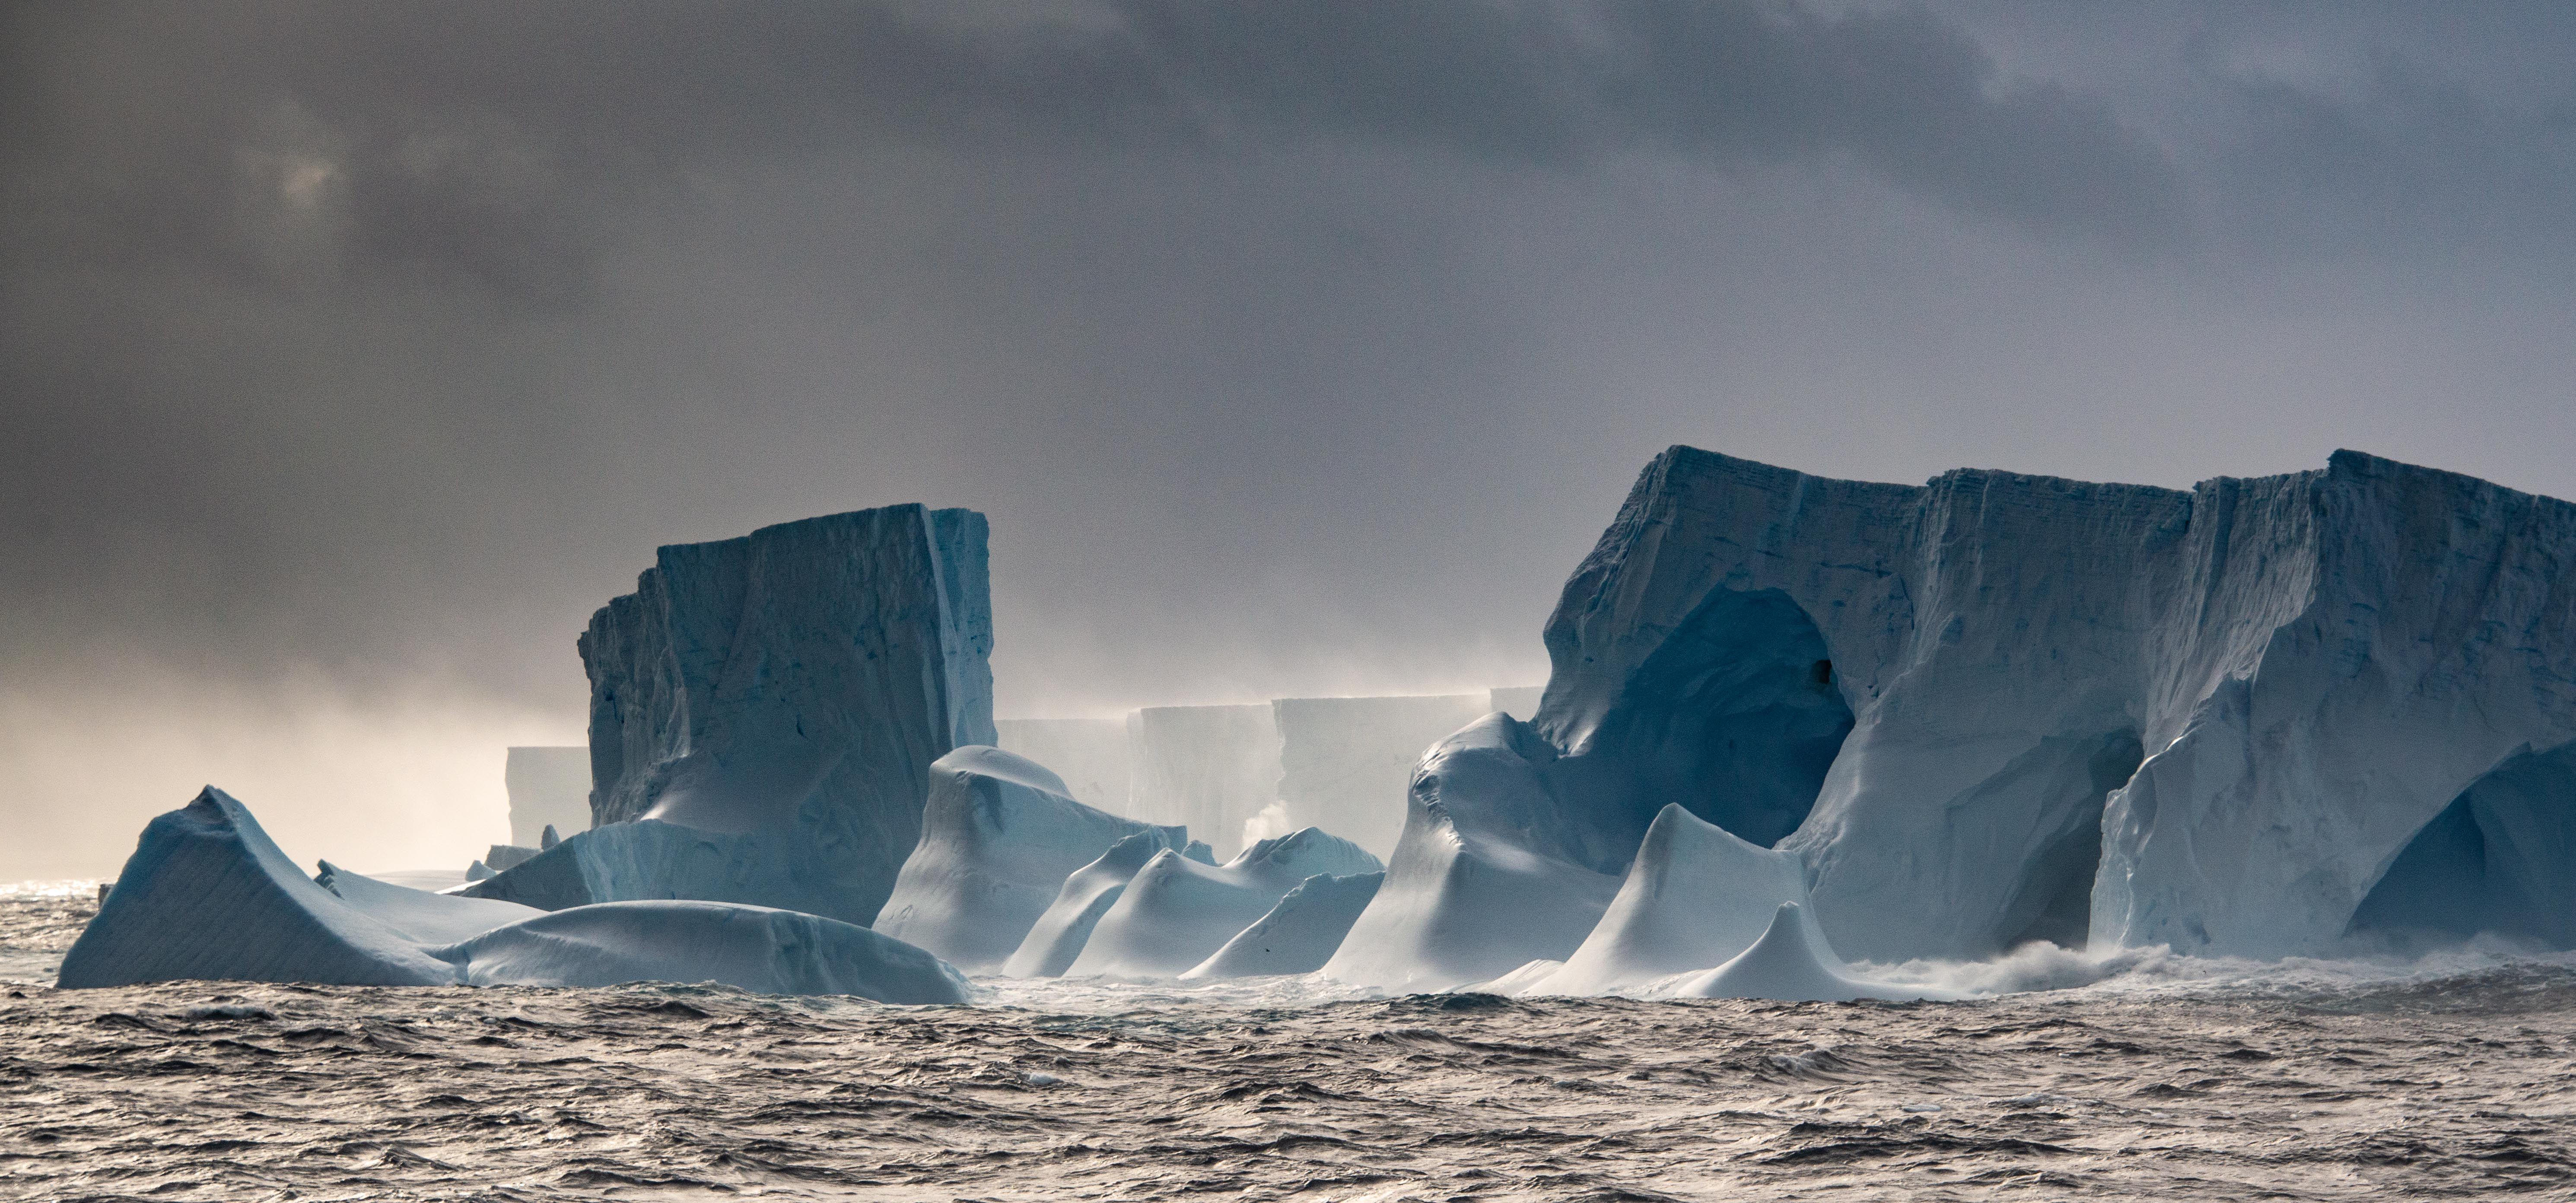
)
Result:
{"points": [[1996, 707], [774, 702], [1090, 754], [1207, 768], [1344, 762], [549, 787]]}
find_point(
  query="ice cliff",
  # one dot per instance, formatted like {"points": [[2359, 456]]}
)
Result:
{"points": [[1344, 762], [1997, 707], [1089, 754], [208, 896], [1207, 768], [999, 836], [765, 711], [549, 787]]}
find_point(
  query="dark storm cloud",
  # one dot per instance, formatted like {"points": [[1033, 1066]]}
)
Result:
{"points": [[304, 144], [357, 351]]}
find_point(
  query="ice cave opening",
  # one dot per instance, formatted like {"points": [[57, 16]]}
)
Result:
{"points": [[2501, 858], [1736, 716], [2054, 899]]}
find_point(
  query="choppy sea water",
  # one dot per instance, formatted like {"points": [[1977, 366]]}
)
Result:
{"points": [[2165, 1078]]}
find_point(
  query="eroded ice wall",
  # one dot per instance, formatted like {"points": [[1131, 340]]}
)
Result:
{"points": [[1344, 762], [2030, 708], [773, 704], [548, 786], [1090, 754], [1207, 768]]}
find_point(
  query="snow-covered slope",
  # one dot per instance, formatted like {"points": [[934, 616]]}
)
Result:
{"points": [[1344, 762], [998, 838], [1089, 754], [790, 688], [1491, 873], [1299, 934], [419, 915], [1087, 893], [549, 786], [207, 896], [749, 947], [1207, 768], [1177, 912], [1694, 898], [1790, 962]]}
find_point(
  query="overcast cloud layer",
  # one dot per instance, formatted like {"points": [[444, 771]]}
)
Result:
{"points": [[350, 355]]}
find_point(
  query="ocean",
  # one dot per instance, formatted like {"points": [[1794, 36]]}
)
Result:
{"points": [[2142, 1076]]}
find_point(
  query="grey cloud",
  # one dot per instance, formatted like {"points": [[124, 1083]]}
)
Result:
{"points": [[302, 144]]}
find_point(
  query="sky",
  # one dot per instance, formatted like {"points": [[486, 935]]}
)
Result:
{"points": [[351, 355]]}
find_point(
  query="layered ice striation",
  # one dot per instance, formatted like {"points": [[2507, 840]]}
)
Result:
{"points": [[1207, 768], [765, 711], [208, 896], [1177, 912], [1061, 931], [549, 787], [1344, 762], [1999, 708], [1089, 754], [999, 837], [1300, 932]]}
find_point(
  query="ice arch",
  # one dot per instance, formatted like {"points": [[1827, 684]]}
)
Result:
{"points": [[1734, 716], [2500, 858]]}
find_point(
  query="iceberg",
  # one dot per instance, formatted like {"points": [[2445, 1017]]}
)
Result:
{"points": [[1207, 768], [1491, 872], [1087, 893], [1344, 762], [1694, 897], [1299, 934], [1177, 912], [998, 838], [1999, 708], [549, 787], [761, 949], [418, 915], [765, 711], [1518, 701], [1089, 754], [208, 896], [1791, 962]]}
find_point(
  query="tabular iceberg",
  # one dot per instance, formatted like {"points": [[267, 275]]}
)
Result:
{"points": [[549, 787], [998, 838], [1207, 768], [1059, 934], [1344, 762], [208, 896], [1997, 708], [773, 703], [1089, 754], [1177, 912]]}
